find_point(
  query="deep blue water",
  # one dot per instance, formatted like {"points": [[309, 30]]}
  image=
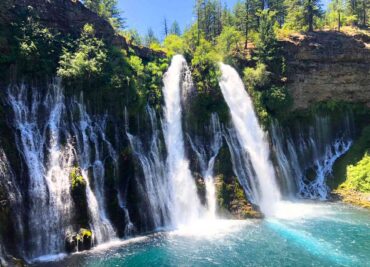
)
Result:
{"points": [[302, 235]]}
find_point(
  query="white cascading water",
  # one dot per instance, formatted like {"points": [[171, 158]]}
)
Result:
{"points": [[206, 158], [14, 198], [38, 123], [90, 135], [315, 151], [242, 166], [2, 255], [251, 138], [186, 206], [155, 184]]}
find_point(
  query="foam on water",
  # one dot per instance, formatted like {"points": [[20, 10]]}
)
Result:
{"points": [[210, 228]]}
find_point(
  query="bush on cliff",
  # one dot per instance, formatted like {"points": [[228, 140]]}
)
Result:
{"points": [[84, 63]]}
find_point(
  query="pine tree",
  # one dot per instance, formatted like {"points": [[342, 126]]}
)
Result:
{"points": [[175, 28], [106, 9], [165, 27], [209, 18], [302, 14], [246, 16], [150, 38]]}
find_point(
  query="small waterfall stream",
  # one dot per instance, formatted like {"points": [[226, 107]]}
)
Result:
{"points": [[305, 162], [156, 186], [206, 157], [252, 140], [14, 197], [91, 138]]}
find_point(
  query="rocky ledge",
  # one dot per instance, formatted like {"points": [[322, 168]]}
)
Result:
{"points": [[325, 66]]}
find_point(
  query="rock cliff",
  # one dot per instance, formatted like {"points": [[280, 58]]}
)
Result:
{"points": [[68, 18], [326, 66]]}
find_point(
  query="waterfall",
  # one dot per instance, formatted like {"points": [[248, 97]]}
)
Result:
{"points": [[48, 148], [91, 139], [186, 204], [306, 161], [14, 197], [38, 123], [252, 139], [206, 157], [241, 164], [155, 185], [2, 256]]}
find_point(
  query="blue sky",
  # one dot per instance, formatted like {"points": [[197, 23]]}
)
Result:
{"points": [[142, 14]]}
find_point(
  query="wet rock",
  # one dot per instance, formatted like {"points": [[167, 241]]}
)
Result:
{"points": [[80, 241]]}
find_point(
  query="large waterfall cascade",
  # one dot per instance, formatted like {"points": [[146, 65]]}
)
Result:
{"points": [[47, 146], [54, 135], [186, 204], [252, 139]]}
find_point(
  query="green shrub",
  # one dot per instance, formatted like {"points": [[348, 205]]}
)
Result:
{"points": [[256, 77], [174, 44], [87, 60], [347, 170], [77, 180], [277, 99], [229, 42], [358, 175]]}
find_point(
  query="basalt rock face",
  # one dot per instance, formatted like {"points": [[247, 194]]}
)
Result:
{"points": [[68, 17], [327, 66]]}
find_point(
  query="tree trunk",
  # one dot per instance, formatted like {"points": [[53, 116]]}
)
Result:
{"points": [[338, 20], [364, 12], [310, 16], [338, 9], [246, 23]]}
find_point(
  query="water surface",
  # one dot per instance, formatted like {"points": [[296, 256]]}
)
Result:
{"points": [[312, 234]]}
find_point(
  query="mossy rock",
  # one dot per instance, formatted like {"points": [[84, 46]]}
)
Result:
{"points": [[77, 180], [353, 197], [80, 241], [232, 201], [78, 192]]}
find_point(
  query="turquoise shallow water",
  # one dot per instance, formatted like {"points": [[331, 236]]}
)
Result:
{"points": [[304, 235]]}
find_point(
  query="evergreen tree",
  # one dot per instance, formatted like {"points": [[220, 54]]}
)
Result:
{"points": [[266, 45], [279, 8], [108, 10], [175, 28], [150, 38], [335, 15], [227, 18], [209, 15], [302, 14], [165, 27], [246, 16]]}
